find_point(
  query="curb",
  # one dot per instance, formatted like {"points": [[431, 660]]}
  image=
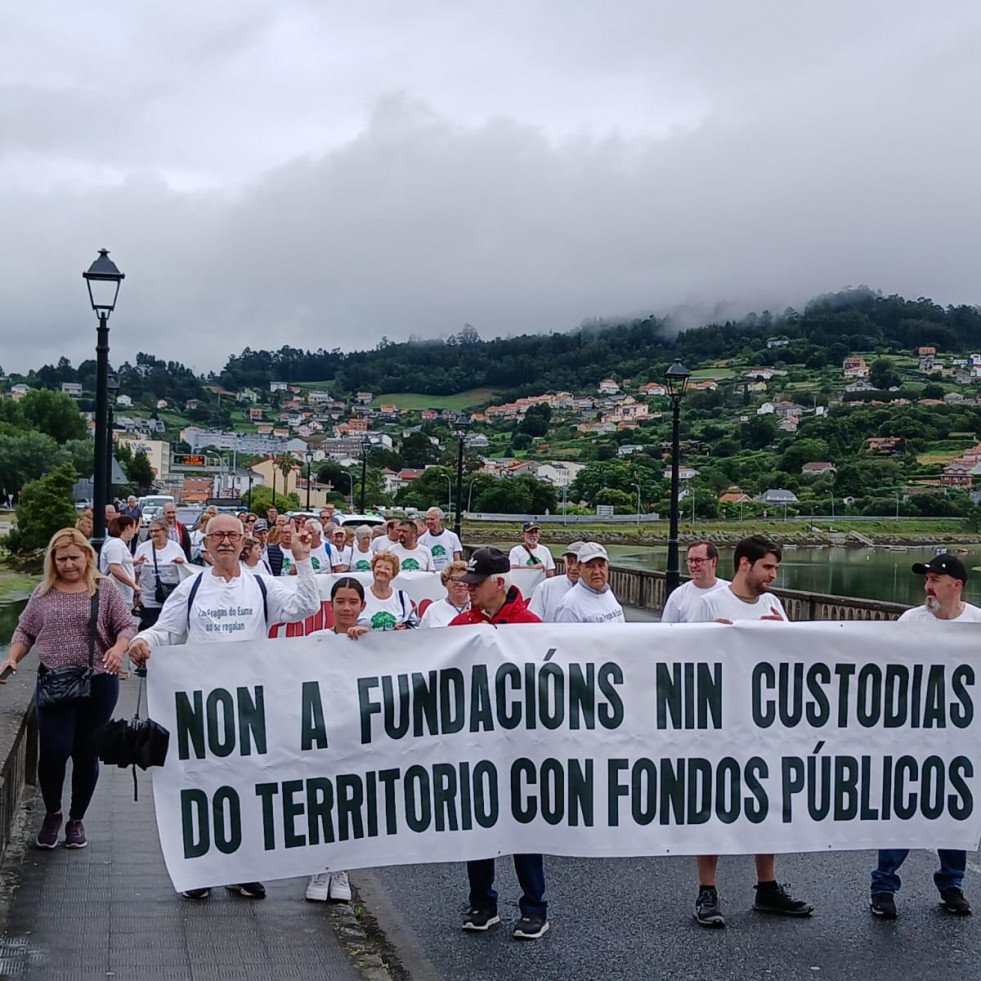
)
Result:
{"points": [[364, 942]]}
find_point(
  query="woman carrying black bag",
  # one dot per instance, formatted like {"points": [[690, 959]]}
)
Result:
{"points": [[80, 627], [156, 562]]}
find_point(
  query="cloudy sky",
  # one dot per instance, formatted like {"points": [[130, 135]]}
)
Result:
{"points": [[323, 173]]}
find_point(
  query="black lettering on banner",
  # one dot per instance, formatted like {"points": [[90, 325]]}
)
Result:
{"points": [[424, 703], [350, 801], [227, 820], [444, 797], [486, 803], [396, 728], [699, 807], [481, 712], [221, 735], [209, 724], [866, 812], [313, 727], [960, 804], [581, 793], [610, 714], [582, 696], [292, 809], [508, 707], [689, 693], [320, 807], [418, 809], [190, 724], [764, 712], [792, 772], [818, 710], [844, 674], [367, 707], [466, 804], [195, 825], [266, 792], [451, 700], [933, 788], [387, 779], [904, 806], [935, 709], [371, 803], [524, 804], [896, 708], [846, 788], [757, 806], [727, 790], [869, 695], [962, 711], [644, 790], [615, 790], [551, 695]]}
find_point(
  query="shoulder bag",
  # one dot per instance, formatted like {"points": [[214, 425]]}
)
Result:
{"points": [[71, 682]]}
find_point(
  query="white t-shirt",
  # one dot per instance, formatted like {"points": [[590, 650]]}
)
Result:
{"points": [[584, 605], [342, 556], [384, 614], [724, 604], [169, 573], [322, 558], [116, 552], [382, 544], [443, 546], [418, 559], [682, 602], [547, 596], [440, 612], [287, 561], [360, 561], [519, 556], [232, 610], [970, 614]]}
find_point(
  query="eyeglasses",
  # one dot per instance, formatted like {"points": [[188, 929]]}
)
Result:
{"points": [[217, 536], [251, 521], [698, 561]]}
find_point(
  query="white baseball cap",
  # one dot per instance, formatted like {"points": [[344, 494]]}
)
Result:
{"points": [[590, 551]]}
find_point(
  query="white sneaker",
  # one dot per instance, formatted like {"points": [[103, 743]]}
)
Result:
{"points": [[340, 887], [318, 888]]}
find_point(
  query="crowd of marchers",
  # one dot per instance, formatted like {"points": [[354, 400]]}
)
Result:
{"points": [[90, 611]]}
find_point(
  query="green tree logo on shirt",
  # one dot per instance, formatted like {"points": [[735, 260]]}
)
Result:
{"points": [[383, 620], [316, 562], [533, 561], [410, 565], [362, 566], [438, 551]]}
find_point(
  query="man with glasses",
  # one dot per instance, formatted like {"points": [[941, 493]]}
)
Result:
{"points": [[228, 603], [549, 593], [176, 532], [703, 560]]}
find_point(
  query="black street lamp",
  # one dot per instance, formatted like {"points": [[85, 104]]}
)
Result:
{"points": [[103, 279], [364, 471], [309, 472], [112, 391], [677, 381], [250, 488], [458, 522]]}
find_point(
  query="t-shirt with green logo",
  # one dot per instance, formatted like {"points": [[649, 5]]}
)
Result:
{"points": [[418, 559], [442, 546], [384, 614]]}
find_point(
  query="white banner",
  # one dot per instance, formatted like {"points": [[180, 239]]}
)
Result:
{"points": [[288, 757]]}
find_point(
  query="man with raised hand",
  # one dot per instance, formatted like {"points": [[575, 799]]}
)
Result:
{"points": [[443, 543], [531, 554], [591, 600], [412, 556], [703, 560], [944, 580], [493, 600], [550, 592], [755, 563], [227, 602]]}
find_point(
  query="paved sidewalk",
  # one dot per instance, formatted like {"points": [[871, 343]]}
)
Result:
{"points": [[110, 911]]}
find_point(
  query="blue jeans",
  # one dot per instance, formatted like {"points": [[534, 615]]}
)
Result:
{"points": [[531, 878], [885, 878]]}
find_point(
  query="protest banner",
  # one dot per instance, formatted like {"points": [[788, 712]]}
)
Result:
{"points": [[288, 757]]}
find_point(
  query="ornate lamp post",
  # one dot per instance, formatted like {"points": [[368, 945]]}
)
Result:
{"points": [[112, 391], [364, 471], [309, 472], [677, 381], [458, 521], [103, 279]]}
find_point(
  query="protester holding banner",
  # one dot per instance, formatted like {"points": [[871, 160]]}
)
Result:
{"points": [[703, 560], [550, 592], [228, 603], [494, 600], [755, 561], [457, 600], [944, 580], [591, 600], [75, 620], [387, 608]]}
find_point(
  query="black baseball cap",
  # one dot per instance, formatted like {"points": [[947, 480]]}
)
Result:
{"points": [[485, 562], [531, 526], [947, 565]]}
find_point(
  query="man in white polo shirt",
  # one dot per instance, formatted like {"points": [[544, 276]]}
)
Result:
{"points": [[530, 554], [550, 592], [755, 561], [703, 560], [591, 600]]}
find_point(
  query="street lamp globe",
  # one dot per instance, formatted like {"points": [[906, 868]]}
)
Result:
{"points": [[677, 379], [103, 278]]}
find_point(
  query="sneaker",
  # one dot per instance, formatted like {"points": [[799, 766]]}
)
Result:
{"points": [[196, 893], [340, 887], [954, 901], [480, 919], [775, 899], [47, 837], [75, 835], [708, 913], [883, 905], [530, 928], [318, 888], [251, 890]]}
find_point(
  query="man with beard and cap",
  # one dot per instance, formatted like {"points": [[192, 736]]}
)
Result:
{"points": [[493, 600], [227, 602], [550, 592], [944, 580], [530, 552]]}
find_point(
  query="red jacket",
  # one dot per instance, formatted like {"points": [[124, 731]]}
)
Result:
{"points": [[515, 610]]}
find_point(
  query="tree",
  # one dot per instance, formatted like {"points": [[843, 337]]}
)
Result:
{"points": [[418, 451], [260, 500], [140, 472], [45, 506], [53, 413], [27, 457], [882, 374]]}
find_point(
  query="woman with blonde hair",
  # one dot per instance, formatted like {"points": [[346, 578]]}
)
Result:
{"points": [[387, 608], [85, 523], [79, 625], [440, 612]]}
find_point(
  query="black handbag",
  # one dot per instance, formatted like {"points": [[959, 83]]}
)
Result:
{"points": [[71, 682], [163, 589]]}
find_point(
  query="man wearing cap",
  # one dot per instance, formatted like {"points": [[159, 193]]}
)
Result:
{"points": [[945, 578], [530, 553], [442, 542], [703, 560], [550, 592], [591, 600], [494, 600], [261, 532]]}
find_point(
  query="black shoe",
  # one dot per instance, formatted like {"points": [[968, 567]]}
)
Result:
{"points": [[530, 928], [883, 905], [953, 901], [708, 913], [480, 919], [251, 890], [196, 893], [776, 899]]}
